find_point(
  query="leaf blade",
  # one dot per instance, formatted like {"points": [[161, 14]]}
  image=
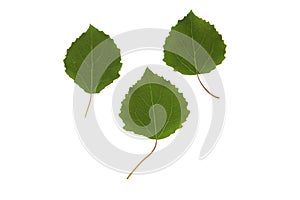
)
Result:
{"points": [[93, 60], [194, 46], [153, 107]]}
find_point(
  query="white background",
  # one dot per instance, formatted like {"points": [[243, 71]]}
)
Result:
{"points": [[258, 156]]}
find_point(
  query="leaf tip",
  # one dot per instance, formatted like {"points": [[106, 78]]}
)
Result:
{"points": [[148, 71], [91, 26], [190, 13], [94, 29]]}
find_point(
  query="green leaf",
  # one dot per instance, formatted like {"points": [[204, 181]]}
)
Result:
{"points": [[93, 61], [194, 46], [153, 107]]}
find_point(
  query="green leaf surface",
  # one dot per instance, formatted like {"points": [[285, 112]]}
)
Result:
{"points": [[153, 107], [93, 61], [194, 46]]}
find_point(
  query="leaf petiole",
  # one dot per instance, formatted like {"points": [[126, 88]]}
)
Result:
{"points": [[88, 106], [206, 88], [143, 160]]}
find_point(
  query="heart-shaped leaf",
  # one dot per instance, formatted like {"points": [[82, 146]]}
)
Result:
{"points": [[194, 46], [93, 61], [154, 108]]}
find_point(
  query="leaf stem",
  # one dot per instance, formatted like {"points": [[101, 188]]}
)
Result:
{"points": [[143, 159], [88, 106], [206, 88]]}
